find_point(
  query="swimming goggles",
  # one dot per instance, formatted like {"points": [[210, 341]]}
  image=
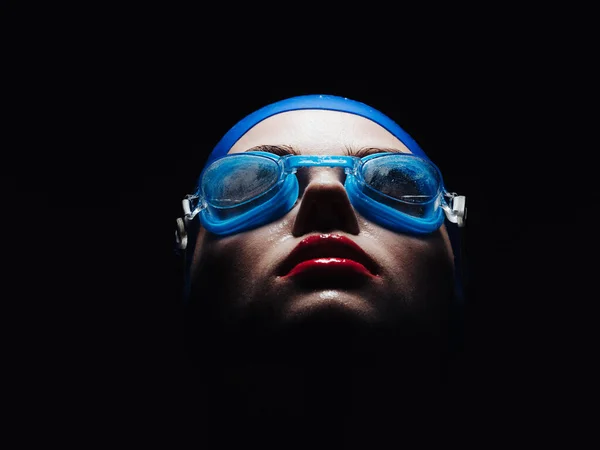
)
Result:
{"points": [[400, 191]]}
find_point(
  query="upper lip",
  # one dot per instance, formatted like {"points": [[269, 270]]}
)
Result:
{"points": [[327, 246]]}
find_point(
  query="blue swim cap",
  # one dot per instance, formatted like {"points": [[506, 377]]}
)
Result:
{"points": [[324, 102]]}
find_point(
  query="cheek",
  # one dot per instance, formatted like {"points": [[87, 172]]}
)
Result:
{"points": [[247, 253], [420, 265], [229, 267], [422, 252], [411, 251], [211, 250], [225, 257]]}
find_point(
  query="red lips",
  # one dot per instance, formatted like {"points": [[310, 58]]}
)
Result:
{"points": [[328, 254]]}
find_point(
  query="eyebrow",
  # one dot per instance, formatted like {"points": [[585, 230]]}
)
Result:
{"points": [[360, 152]]}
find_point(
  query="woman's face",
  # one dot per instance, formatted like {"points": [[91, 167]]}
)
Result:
{"points": [[246, 277]]}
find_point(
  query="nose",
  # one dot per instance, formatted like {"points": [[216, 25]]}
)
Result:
{"points": [[325, 206]]}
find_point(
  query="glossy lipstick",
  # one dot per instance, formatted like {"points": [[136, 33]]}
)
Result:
{"points": [[331, 265], [327, 255]]}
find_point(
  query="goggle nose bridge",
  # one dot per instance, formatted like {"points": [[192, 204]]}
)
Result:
{"points": [[306, 174], [292, 163]]}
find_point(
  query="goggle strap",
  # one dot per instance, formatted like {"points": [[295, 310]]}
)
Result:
{"points": [[181, 237], [456, 212]]}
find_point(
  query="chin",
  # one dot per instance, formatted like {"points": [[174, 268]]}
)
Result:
{"points": [[331, 307]]}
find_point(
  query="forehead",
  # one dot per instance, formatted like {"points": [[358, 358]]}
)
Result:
{"points": [[318, 132]]}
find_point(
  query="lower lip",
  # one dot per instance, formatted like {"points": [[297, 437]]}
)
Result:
{"points": [[329, 266]]}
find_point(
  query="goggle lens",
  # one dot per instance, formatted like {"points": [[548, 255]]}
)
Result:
{"points": [[406, 183], [233, 185]]}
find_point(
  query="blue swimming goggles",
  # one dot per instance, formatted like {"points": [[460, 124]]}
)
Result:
{"points": [[400, 191]]}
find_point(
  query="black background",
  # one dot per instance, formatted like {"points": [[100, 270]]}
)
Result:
{"points": [[110, 114]]}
